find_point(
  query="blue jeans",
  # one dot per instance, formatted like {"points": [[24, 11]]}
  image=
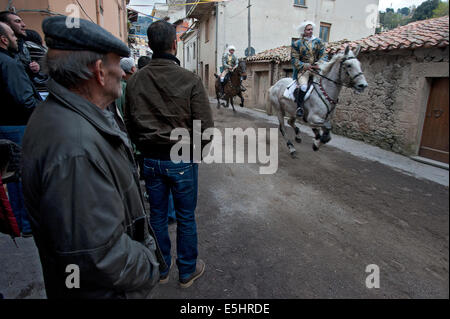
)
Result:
{"points": [[161, 179], [171, 210], [15, 134]]}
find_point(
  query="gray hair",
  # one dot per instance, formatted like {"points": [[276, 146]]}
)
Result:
{"points": [[127, 64], [71, 68]]}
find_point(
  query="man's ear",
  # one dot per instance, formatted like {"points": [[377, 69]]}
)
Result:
{"points": [[4, 39], [99, 72], [174, 45]]}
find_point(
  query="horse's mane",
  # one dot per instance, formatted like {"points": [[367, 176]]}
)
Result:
{"points": [[326, 67]]}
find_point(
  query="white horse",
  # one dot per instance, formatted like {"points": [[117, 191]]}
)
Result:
{"points": [[344, 69]]}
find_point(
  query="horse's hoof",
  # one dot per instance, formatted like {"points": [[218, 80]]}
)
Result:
{"points": [[315, 148], [242, 105], [298, 140]]}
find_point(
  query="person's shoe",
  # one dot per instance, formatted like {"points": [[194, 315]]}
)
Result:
{"points": [[199, 270], [27, 234], [243, 89], [164, 279]]}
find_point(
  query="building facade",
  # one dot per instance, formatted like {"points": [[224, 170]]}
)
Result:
{"points": [[109, 14], [273, 23], [190, 50]]}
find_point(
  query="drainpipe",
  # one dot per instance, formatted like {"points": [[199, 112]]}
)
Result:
{"points": [[217, 33], [97, 11]]}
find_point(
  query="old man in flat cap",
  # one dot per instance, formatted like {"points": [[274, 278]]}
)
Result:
{"points": [[80, 182]]}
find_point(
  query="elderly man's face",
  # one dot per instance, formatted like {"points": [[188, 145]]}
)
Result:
{"points": [[309, 31], [231, 51], [113, 75], [17, 25]]}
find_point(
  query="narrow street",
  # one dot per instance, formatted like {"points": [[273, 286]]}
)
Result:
{"points": [[308, 231]]}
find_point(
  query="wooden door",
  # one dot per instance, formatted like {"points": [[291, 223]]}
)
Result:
{"points": [[262, 85], [435, 132]]}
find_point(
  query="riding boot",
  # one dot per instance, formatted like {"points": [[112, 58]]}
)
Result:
{"points": [[243, 89], [222, 89], [300, 101]]}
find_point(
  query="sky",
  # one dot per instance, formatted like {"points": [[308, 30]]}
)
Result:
{"points": [[146, 10]]}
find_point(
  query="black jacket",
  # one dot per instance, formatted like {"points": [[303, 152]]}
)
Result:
{"points": [[18, 96], [84, 200]]}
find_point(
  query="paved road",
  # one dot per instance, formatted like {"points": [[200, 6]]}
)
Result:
{"points": [[308, 231]]}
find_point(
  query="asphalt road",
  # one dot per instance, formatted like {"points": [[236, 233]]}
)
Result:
{"points": [[308, 231]]}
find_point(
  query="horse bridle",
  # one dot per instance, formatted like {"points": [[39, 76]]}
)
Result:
{"points": [[340, 83], [349, 85]]}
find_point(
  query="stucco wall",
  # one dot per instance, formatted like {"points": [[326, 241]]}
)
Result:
{"points": [[207, 51], [273, 22], [390, 114]]}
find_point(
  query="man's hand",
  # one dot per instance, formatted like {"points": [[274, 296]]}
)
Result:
{"points": [[313, 67], [34, 67]]}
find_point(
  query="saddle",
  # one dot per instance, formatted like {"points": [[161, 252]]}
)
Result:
{"points": [[292, 90]]}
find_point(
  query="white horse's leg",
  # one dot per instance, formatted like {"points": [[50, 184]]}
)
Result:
{"points": [[291, 122], [283, 131], [321, 139]]}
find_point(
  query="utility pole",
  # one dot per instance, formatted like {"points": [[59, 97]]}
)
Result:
{"points": [[249, 30]]}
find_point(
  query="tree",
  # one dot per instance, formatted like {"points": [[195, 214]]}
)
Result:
{"points": [[425, 10], [441, 10], [404, 11], [389, 10]]}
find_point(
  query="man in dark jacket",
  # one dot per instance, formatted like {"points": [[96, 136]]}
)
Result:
{"points": [[18, 98], [80, 182], [160, 98]]}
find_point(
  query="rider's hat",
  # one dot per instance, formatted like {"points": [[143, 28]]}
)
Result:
{"points": [[301, 28], [231, 47]]}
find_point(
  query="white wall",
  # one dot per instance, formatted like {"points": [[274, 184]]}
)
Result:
{"points": [[190, 44], [273, 22]]}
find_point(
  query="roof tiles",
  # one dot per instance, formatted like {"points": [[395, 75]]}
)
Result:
{"points": [[427, 33]]}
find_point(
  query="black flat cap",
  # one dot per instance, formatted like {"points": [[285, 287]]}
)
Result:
{"points": [[88, 36]]}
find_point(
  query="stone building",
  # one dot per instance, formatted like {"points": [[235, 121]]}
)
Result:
{"points": [[405, 108]]}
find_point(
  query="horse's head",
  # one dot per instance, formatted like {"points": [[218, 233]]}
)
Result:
{"points": [[352, 69], [242, 69]]}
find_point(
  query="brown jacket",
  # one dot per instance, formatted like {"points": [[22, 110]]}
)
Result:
{"points": [[160, 98]]}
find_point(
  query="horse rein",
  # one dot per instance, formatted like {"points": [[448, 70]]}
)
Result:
{"points": [[352, 80], [329, 99]]}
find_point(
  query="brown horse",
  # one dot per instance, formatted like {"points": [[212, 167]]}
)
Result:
{"points": [[233, 86]]}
